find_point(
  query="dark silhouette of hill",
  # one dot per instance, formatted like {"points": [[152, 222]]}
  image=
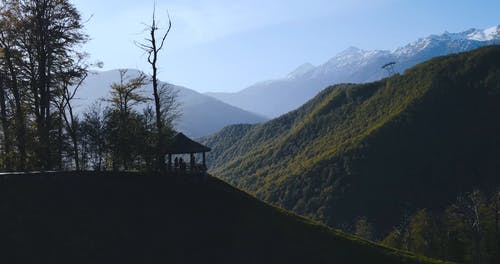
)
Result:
{"points": [[104, 217], [378, 149]]}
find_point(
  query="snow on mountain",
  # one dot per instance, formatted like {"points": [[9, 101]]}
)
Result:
{"points": [[485, 35], [455, 42], [301, 70], [352, 65], [349, 60]]}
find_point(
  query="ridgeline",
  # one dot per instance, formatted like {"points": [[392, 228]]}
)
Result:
{"points": [[377, 150]]}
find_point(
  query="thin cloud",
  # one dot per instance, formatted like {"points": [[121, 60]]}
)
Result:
{"points": [[206, 21]]}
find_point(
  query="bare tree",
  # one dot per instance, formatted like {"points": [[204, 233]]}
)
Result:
{"points": [[496, 208], [71, 78], [152, 47], [468, 209], [170, 106], [6, 160]]}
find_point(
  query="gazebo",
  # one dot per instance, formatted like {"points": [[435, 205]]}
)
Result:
{"points": [[181, 144]]}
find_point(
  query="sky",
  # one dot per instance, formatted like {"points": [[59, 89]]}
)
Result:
{"points": [[228, 45]]}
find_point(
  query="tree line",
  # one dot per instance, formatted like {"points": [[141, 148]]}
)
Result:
{"points": [[467, 231], [42, 68]]}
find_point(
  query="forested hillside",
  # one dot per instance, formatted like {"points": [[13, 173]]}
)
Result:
{"points": [[376, 150]]}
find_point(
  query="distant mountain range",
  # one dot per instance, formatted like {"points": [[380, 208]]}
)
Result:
{"points": [[350, 66], [378, 149], [201, 114]]}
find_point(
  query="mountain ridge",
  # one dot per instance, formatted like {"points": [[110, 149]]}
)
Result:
{"points": [[331, 157], [352, 65], [201, 114]]}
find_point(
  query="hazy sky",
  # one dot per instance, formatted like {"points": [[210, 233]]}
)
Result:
{"points": [[227, 45]]}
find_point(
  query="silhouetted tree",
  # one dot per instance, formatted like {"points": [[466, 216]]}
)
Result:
{"points": [[92, 129], [122, 122], [47, 33], [6, 160], [164, 96], [468, 208], [10, 62], [495, 207], [71, 78], [465, 232]]}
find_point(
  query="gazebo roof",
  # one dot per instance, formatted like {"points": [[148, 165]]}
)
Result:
{"points": [[181, 144]]}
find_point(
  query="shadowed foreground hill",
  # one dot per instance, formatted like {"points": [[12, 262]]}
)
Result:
{"points": [[379, 149], [133, 218]]}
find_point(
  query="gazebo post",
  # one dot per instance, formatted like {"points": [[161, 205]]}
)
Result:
{"points": [[204, 163], [191, 163], [169, 162]]}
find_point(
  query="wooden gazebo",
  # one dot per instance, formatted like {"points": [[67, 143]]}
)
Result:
{"points": [[181, 144]]}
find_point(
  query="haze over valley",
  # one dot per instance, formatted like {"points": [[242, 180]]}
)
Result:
{"points": [[201, 115]]}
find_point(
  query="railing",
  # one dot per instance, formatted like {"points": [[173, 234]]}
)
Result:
{"points": [[188, 168]]}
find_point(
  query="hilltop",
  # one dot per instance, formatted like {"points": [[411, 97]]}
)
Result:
{"points": [[105, 217], [379, 149]]}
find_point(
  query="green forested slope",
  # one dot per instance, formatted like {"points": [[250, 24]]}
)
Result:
{"points": [[379, 149], [105, 217]]}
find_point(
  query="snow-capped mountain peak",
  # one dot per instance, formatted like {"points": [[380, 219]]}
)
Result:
{"points": [[485, 35], [354, 65], [455, 41], [352, 56], [488, 34], [301, 70]]}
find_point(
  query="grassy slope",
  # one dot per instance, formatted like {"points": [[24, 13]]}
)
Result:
{"points": [[413, 140], [133, 218]]}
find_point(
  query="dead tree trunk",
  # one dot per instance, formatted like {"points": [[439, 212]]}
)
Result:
{"points": [[152, 47], [7, 141]]}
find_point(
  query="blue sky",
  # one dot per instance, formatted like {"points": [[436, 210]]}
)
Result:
{"points": [[227, 45]]}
